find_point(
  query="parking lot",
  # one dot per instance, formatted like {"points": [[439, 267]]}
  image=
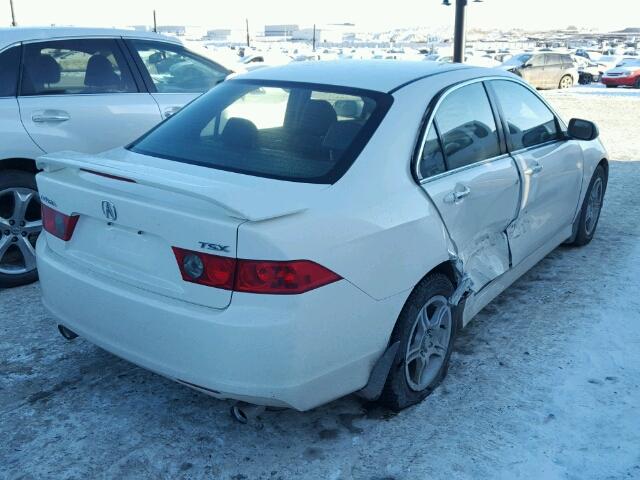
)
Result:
{"points": [[544, 383]]}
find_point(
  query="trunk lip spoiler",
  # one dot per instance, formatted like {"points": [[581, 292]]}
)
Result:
{"points": [[160, 178]]}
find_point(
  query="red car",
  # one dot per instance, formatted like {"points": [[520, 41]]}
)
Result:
{"points": [[626, 73]]}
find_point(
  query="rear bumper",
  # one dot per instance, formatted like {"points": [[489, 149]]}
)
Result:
{"points": [[620, 81], [298, 351]]}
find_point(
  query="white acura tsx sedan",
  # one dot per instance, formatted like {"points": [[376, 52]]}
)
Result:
{"points": [[308, 231]]}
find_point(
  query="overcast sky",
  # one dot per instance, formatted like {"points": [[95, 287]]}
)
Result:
{"points": [[372, 14]]}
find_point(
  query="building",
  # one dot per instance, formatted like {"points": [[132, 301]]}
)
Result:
{"points": [[282, 31], [178, 30], [327, 33]]}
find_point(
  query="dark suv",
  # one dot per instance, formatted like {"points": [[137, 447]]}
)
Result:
{"points": [[544, 70]]}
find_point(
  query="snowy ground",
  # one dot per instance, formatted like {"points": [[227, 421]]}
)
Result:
{"points": [[544, 383]]}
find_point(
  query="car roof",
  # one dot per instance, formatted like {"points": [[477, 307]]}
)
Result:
{"points": [[378, 75], [9, 36]]}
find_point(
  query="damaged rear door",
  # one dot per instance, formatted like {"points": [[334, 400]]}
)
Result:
{"points": [[474, 186]]}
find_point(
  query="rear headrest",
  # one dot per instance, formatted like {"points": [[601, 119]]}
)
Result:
{"points": [[240, 133], [317, 117], [100, 72], [341, 135], [42, 69]]}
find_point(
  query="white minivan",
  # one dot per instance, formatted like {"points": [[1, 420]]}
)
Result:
{"points": [[80, 89]]}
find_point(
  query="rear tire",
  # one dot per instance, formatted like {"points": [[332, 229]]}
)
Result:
{"points": [[612, 86], [566, 82], [20, 225], [424, 338], [637, 84], [591, 208]]}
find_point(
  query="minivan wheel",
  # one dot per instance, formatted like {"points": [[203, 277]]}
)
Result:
{"points": [[20, 225], [426, 330], [566, 82], [591, 207]]}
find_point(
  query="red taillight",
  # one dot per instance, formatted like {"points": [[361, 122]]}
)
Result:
{"points": [[252, 276], [206, 269], [58, 224], [298, 276]]}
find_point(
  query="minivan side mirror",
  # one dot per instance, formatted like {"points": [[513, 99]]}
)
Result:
{"points": [[583, 129]]}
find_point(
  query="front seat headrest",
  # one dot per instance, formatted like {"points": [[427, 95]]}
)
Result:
{"points": [[240, 133], [317, 118], [341, 135], [100, 73]]}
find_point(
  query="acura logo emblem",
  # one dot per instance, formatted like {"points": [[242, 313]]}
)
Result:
{"points": [[109, 210]]}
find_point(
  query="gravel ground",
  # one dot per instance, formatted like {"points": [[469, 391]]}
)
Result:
{"points": [[544, 383]]}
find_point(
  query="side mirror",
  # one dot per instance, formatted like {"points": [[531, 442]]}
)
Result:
{"points": [[583, 129], [526, 65]]}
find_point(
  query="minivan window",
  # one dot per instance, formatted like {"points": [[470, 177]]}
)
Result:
{"points": [[175, 70], [88, 66], [286, 130], [9, 67], [529, 120], [467, 127]]}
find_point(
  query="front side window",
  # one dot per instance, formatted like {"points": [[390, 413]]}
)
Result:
{"points": [[285, 130], [175, 70], [536, 61], [75, 67], [9, 67], [467, 127], [529, 120], [553, 59]]}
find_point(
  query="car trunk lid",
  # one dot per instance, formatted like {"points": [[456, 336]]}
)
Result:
{"points": [[132, 210]]}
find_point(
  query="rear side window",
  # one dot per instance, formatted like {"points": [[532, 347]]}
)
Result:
{"points": [[467, 127], [9, 67], [285, 130], [175, 70], [529, 120], [432, 160], [75, 67]]}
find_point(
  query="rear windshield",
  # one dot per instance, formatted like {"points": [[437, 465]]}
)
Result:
{"points": [[285, 130]]}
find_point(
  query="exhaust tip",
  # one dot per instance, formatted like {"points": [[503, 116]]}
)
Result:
{"points": [[239, 415], [244, 412], [67, 333]]}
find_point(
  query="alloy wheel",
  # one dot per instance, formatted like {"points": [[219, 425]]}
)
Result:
{"points": [[566, 82], [594, 206], [20, 225], [428, 343]]}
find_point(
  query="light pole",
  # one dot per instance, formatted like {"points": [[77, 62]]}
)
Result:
{"points": [[459, 31], [13, 15]]}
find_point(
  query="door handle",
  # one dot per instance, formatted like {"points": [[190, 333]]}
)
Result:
{"points": [[457, 195], [170, 111], [533, 169], [50, 116]]}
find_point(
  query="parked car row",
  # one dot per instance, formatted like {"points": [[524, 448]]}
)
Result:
{"points": [[87, 90]]}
